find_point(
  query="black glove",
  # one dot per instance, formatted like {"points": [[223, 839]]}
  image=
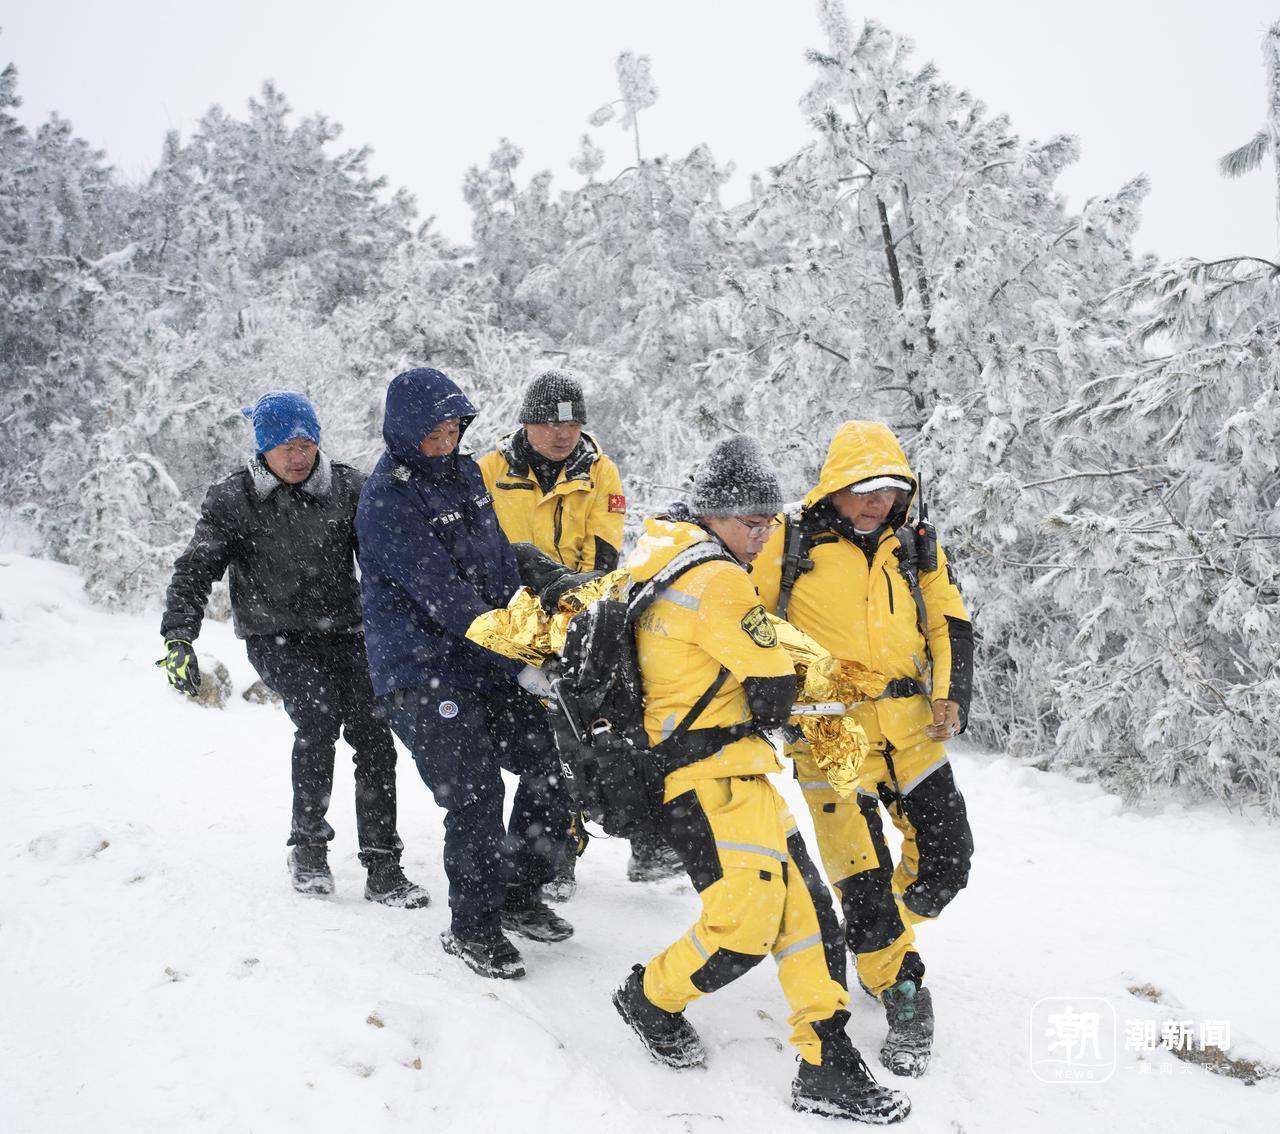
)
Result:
{"points": [[549, 596], [769, 699], [547, 578], [181, 666], [536, 567]]}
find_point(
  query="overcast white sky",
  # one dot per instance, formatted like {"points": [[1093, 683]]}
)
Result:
{"points": [[1156, 86]]}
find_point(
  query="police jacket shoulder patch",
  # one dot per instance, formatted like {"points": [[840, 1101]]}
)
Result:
{"points": [[758, 628]]}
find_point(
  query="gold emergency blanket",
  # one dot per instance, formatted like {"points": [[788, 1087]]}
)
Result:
{"points": [[839, 744], [523, 630]]}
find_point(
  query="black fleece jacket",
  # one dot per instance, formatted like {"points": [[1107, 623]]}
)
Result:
{"points": [[290, 549]]}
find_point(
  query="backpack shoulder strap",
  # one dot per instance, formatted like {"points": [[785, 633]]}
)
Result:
{"points": [[704, 551], [796, 539], [685, 744], [908, 554]]}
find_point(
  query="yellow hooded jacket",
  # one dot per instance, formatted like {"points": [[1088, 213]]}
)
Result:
{"points": [[585, 507], [710, 617], [865, 612]]}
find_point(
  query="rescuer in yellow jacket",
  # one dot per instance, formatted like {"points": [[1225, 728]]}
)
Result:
{"points": [[709, 662], [552, 487], [856, 587]]}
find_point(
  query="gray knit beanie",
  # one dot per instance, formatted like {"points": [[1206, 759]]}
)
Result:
{"points": [[736, 479], [553, 396]]}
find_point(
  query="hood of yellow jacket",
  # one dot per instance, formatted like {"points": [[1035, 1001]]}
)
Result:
{"points": [[662, 541], [859, 451]]}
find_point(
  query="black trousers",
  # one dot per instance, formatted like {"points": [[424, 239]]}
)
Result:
{"points": [[461, 740], [323, 680]]}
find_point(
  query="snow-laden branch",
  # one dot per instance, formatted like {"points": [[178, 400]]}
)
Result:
{"points": [[1101, 473]]}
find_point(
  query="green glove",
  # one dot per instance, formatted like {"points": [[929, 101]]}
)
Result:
{"points": [[181, 666]]}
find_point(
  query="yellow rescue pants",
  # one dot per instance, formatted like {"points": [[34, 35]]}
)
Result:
{"points": [[883, 902], [748, 863], [856, 859], [892, 776]]}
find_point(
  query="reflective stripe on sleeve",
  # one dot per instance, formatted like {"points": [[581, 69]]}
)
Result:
{"points": [[680, 598]]}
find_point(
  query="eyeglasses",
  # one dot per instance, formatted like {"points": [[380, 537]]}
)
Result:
{"points": [[758, 529]]}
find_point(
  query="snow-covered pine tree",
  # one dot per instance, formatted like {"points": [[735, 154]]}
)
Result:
{"points": [[1267, 140], [429, 307], [1173, 573], [621, 278], [205, 289], [59, 222], [1172, 530], [927, 274]]}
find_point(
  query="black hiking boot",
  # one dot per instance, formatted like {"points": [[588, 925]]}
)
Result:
{"points": [[652, 859], [909, 1009], [535, 920], [388, 886], [490, 954], [565, 884], [309, 869], [667, 1036], [841, 1086]]}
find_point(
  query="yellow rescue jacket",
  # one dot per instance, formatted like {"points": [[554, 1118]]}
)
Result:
{"points": [[865, 612], [585, 504], [710, 617]]}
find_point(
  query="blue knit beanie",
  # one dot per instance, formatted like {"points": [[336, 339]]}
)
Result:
{"points": [[281, 416]]}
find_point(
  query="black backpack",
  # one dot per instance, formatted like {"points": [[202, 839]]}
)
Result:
{"points": [[615, 773]]}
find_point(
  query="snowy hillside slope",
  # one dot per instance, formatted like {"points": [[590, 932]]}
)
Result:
{"points": [[158, 974]]}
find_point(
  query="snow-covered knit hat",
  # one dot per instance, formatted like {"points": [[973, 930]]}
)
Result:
{"points": [[281, 416], [736, 479], [553, 396]]}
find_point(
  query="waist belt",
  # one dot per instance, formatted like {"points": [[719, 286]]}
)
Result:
{"points": [[679, 751], [902, 687]]}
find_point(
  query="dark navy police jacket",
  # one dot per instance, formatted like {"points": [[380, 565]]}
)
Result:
{"points": [[432, 556]]}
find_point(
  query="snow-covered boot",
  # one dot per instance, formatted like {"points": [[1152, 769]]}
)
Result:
{"points": [[565, 884], [309, 869], [841, 1086], [667, 1036], [909, 1009], [535, 920], [652, 859], [388, 886], [489, 954]]}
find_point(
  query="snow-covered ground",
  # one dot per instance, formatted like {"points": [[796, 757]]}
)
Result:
{"points": [[157, 973]]}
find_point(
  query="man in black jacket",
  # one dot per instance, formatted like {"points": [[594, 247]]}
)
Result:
{"points": [[285, 526]]}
